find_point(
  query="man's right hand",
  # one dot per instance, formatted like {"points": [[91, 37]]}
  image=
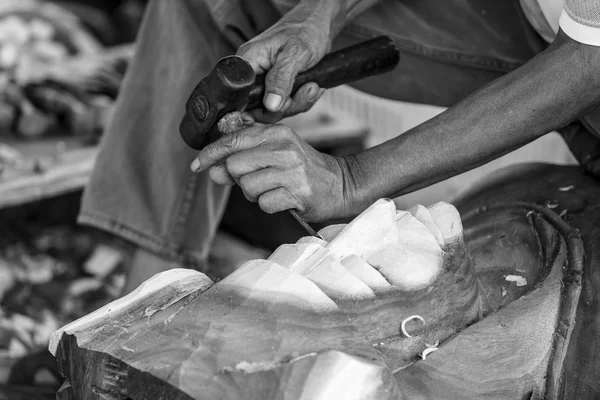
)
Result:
{"points": [[297, 42]]}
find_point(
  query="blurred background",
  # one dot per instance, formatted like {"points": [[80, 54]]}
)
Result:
{"points": [[61, 66]]}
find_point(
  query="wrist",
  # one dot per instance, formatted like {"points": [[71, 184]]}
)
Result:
{"points": [[353, 188]]}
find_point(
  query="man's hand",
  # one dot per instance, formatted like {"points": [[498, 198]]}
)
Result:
{"points": [[277, 169], [298, 41]]}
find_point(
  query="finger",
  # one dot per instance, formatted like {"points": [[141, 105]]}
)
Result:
{"points": [[286, 104], [256, 183], [256, 52], [220, 176], [248, 161], [267, 117], [280, 78], [248, 119], [277, 200], [304, 99], [227, 145]]}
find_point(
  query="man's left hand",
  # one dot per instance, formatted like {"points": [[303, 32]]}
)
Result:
{"points": [[277, 169]]}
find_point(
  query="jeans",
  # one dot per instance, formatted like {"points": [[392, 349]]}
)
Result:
{"points": [[142, 189]]}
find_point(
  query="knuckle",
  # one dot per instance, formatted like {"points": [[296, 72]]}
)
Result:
{"points": [[252, 48], [231, 141], [213, 151], [271, 133], [302, 208], [266, 205], [296, 45], [299, 204], [230, 165], [281, 78], [248, 187], [295, 158], [284, 131], [305, 192], [234, 166], [249, 196], [244, 48]]}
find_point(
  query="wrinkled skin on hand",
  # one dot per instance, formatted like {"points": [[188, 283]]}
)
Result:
{"points": [[294, 44], [278, 170]]}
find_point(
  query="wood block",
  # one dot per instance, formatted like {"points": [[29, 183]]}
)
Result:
{"points": [[374, 229], [366, 273], [330, 232], [274, 332], [423, 214]]}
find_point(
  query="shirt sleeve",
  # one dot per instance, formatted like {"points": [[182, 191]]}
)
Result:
{"points": [[580, 19]]}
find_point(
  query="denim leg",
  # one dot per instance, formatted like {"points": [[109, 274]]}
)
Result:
{"points": [[141, 187]]}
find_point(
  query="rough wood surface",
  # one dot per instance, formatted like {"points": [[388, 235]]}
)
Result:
{"points": [[507, 354], [271, 332], [574, 194]]}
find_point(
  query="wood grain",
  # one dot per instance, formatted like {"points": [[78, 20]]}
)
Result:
{"points": [[578, 376], [272, 332], [269, 330]]}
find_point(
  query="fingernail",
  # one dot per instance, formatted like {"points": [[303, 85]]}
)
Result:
{"points": [[288, 102], [195, 165], [321, 91], [273, 101], [247, 118]]}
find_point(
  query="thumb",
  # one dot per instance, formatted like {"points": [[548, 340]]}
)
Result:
{"points": [[280, 78]]}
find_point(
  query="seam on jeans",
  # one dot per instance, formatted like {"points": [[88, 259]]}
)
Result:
{"points": [[447, 56], [183, 209], [149, 242], [131, 233]]}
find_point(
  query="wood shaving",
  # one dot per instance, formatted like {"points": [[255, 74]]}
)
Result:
{"points": [[552, 205], [566, 188], [428, 351], [406, 320], [562, 213]]}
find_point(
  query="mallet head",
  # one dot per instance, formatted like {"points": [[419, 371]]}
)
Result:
{"points": [[224, 90]]}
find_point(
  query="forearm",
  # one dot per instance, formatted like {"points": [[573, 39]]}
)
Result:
{"points": [[551, 90]]}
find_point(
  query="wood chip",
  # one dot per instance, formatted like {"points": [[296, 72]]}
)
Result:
{"points": [[562, 213], [428, 351], [406, 320], [103, 261], [566, 188], [518, 279]]}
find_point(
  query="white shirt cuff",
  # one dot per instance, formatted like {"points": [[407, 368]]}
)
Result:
{"points": [[579, 32]]}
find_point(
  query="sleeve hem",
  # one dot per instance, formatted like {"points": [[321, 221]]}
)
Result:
{"points": [[579, 32]]}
